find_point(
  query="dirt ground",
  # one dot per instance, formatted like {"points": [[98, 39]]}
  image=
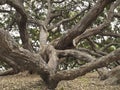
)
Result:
{"points": [[33, 82]]}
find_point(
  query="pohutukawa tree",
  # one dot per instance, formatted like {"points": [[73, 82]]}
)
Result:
{"points": [[60, 39]]}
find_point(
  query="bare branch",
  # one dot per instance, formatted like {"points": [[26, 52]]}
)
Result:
{"points": [[101, 62], [4, 11], [100, 28], [49, 14], [90, 52], [84, 23], [110, 34], [43, 37], [68, 19], [53, 59], [90, 32], [58, 1], [75, 53], [21, 21], [111, 11], [19, 7]]}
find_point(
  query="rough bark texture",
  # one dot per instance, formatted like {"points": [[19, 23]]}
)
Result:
{"points": [[84, 23], [112, 77], [46, 60]]}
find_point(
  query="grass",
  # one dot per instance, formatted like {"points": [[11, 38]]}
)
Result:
{"points": [[33, 82]]}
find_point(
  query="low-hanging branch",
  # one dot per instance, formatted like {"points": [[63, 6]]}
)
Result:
{"points": [[98, 63], [75, 53]]}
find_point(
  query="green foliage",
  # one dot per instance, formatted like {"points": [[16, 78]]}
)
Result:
{"points": [[53, 35], [111, 48]]}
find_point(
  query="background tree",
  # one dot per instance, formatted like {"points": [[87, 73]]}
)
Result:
{"points": [[60, 39]]}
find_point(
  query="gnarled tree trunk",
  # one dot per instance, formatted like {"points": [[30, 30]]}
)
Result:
{"points": [[46, 60]]}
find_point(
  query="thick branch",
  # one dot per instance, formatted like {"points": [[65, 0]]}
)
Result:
{"points": [[101, 62], [114, 72], [90, 52], [43, 37], [26, 59], [84, 23], [101, 27], [75, 53], [49, 14], [11, 63], [53, 59], [90, 32], [21, 18], [19, 7]]}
